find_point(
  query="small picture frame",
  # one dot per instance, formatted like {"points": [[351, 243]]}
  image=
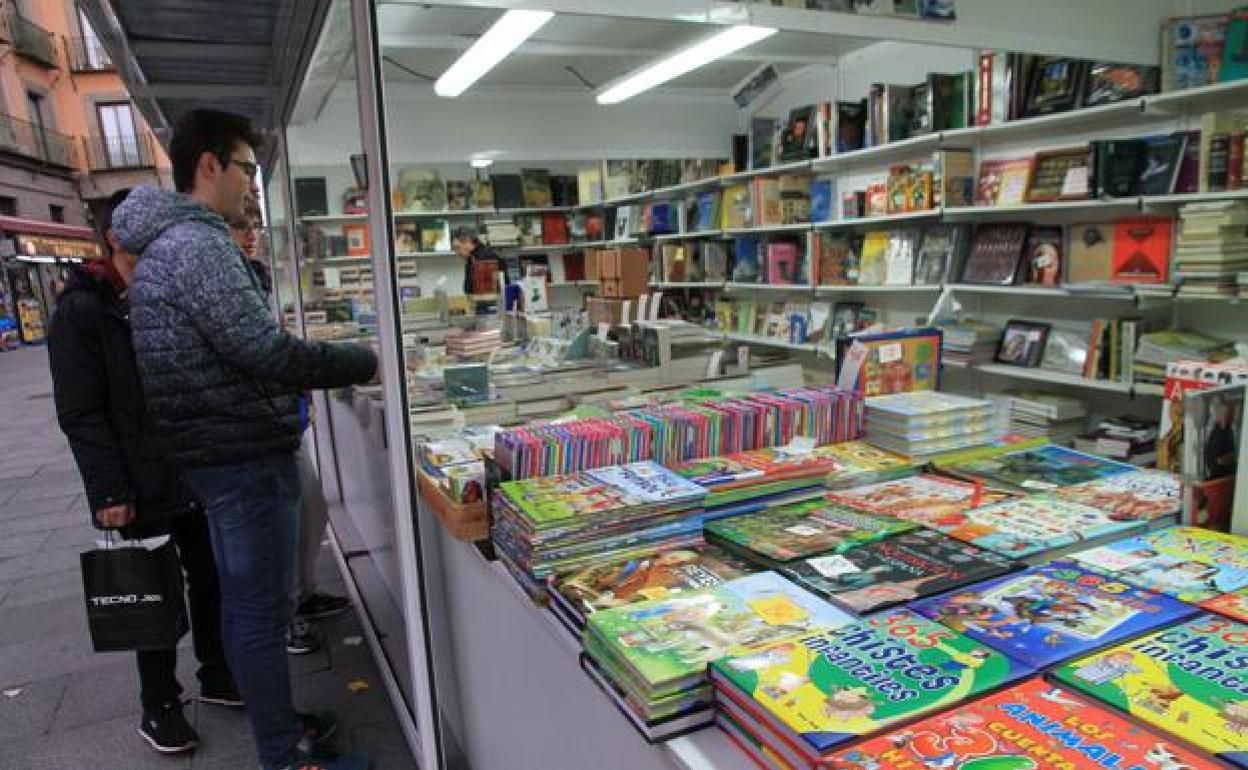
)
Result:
{"points": [[1059, 175], [1056, 83], [1022, 343], [1109, 82]]}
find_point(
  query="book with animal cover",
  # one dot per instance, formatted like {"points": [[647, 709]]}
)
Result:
{"points": [[1027, 526], [1053, 612], [666, 644], [1030, 726], [995, 254], [820, 691], [1233, 605], [1091, 253], [873, 267], [1142, 250], [896, 569], [820, 526], [1042, 469], [851, 125], [1143, 495], [1186, 681], [1188, 563], [925, 499]]}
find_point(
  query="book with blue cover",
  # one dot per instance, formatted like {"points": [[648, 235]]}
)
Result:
{"points": [[821, 200], [1188, 563], [1053, 612], [1042, 469]]}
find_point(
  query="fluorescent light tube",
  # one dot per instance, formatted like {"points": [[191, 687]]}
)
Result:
{"points": [[511, 29], [729, 41]]}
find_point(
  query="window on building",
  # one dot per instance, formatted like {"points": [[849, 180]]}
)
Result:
{"points": [[93, 52], [118, 135], [56, 213], [8, 206], [38, 120]]}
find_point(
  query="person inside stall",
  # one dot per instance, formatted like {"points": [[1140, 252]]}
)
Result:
{"points": [[480, 261]]}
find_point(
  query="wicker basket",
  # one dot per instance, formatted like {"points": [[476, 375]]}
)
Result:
{"points": [[464, 521]]}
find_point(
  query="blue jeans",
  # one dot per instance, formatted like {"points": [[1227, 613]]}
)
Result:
{"points": [[253, 517]]}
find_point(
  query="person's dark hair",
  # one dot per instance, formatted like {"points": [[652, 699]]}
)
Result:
{"points": [[106, 216], [204, 130], [466, 232]]}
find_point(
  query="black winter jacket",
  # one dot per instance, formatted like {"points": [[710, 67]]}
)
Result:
{"points": [[99, 404], [222, 379]]}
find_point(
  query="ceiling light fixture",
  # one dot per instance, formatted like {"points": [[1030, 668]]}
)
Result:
{"points": [[511, 29], [481, 162], [729, 41]]}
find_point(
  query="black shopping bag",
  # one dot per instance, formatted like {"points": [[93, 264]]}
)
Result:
{"points": [[135, 598]]}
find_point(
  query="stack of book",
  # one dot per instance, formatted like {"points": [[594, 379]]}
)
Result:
{"points": [[651, 658], [924, 423], [465, 344], [1059, 418], [1212, 247], [1127, 439], [559, 523], [1156, 349], [966, 343]]}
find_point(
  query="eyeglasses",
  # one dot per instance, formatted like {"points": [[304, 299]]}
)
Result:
{"points": [[247, 166]]}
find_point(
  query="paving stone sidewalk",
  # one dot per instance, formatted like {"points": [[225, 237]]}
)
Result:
{"points": [[63, 707]]}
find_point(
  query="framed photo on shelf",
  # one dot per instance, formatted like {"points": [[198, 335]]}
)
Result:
{"points": [[1022, 343], [1056, 83], [1059, 175], [1108, 82]]}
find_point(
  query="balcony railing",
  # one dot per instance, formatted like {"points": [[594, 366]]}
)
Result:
{"points": [[33, 141], [86, 54], [119, 153], [31, 40]]}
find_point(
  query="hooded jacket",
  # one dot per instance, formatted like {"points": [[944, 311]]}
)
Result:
{"points": [[222, 380], [99, 404]]}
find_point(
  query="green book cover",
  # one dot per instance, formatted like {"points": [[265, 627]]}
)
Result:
{"points": [[803, 529]]}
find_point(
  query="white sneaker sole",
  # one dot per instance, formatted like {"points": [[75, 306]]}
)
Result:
{"points": [[168, 749]]}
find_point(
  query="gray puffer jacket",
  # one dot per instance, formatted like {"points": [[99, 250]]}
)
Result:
{"points": [[222, 380]]}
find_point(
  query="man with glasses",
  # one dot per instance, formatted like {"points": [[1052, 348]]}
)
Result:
{"points": [[223, 383]]}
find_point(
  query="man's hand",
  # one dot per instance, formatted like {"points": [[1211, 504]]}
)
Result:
{"points": [[115, 516]]}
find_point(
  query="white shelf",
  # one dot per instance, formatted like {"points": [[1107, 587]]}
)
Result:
{"points": [[762, 229], [676, 189], [859, 289], [1150, 389], [735, 286], [542, 248], [688, 285], [1026, 210], [534, 210], [1048, 126], [770, 342], [364, 260], [609, 244], [1043, 291], [881, 154], [796, 166], [567, 284], [1182, 198], [331, 218], [1233, 94], [610, 202], [907, 216], [1051, 377], [424, 254], [444, 214], [694, 234]]}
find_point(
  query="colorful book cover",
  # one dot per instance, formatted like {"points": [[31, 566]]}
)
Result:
{"points": [[1042, 469], [783, 461], [655, 575], [599, 492], [1029, 525], [832, 687], [1187, 563], [1053, 612], [1186, 680], [716, 471], [669, 642], [1233, 605], [925, 499], [1030, 726], [861, 457], [799, 530], [1141, 495], [897, 569]]}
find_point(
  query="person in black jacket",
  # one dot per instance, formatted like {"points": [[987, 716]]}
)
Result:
{"points": [[129, 484], [466, 243]]}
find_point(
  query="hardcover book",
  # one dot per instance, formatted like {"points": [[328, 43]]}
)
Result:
{"points": [[1186, 681], [1142, 250], [1027, 526], [1091, 253], [897, 569], [925, 499], [1030, 726], [996, 254], [1141, 495], [1041, 469], [1053, 612], [548, 500], [1187, 563], [826, 689], [536, 183], [777, 535]]}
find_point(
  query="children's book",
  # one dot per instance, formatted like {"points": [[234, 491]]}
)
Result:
{"points": [[925, 499], [1142, 495], [867, 462], [1233, 605], [825, 689], [896, 569], [1187, 680], [781, 534], [599, 492], [1030, 726], [1027, 526], [717, 471], [667, 643], [1187, 563], [1042, 469], [1053, 612]]}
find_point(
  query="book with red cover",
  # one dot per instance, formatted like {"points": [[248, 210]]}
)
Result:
{"points": [[554, 228], [1142, 250], [782, 264]]}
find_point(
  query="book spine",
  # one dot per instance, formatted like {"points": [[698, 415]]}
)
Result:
{"points": [[1235, 161], [1219, 151], [983, 90]]}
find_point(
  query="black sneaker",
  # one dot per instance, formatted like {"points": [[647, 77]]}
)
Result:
{"points": [[221, 694], [167, 730], [301, 640], [320, 606], [318, 726], [325, 760]]}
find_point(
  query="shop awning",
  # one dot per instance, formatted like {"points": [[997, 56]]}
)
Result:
{"points": [[35, 240], [13, 225]]}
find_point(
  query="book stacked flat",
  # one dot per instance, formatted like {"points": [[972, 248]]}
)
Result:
{"points": [[1188, 563], [1212, 247], [1058, 418], [924, 423], [471, 344], [1127, 439], [1156, 349], [559, 523], [968, 342], [651, 658]]}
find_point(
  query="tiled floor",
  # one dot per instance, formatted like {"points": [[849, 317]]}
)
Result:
{"points": [[63, 707]]}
